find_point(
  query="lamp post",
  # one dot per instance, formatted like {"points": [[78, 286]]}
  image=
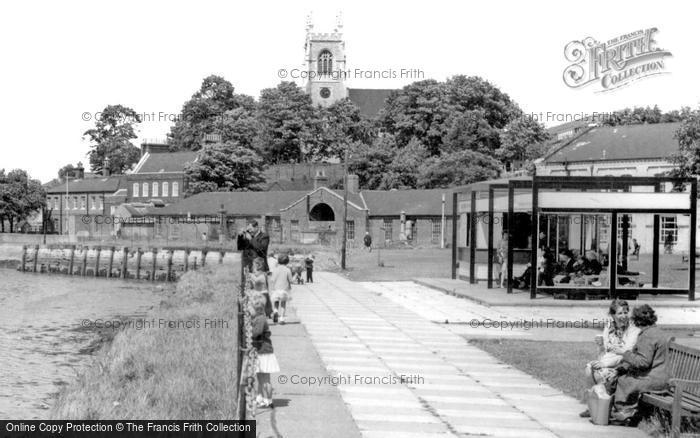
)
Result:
{"points": [[343, 245]]}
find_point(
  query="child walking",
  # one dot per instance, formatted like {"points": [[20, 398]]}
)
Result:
{"points": [[258, 279], [281, 289], [267, 362]]}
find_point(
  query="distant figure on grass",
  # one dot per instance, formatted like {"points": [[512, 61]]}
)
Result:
{"points": [[635, 248], [367, 241], [267, 362], [309, 268], [253, 243], [281, 289], [642, 369], [502, 259], [259, 283], [668, 243], [619, 333]]}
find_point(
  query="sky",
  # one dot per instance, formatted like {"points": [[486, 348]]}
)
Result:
{"points": [[61, 62]]}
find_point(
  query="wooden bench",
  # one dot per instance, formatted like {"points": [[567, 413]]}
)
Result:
{"points": [[683, 397]]}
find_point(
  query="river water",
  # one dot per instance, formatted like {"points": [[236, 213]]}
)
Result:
{"points": [[43, 343]]}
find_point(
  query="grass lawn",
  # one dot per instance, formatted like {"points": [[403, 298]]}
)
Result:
{"points": [[387, 264], [561, 365]]}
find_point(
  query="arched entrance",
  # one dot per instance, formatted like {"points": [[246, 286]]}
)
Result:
{"points": [[322, 212]]}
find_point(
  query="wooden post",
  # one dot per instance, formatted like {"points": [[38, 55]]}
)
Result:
{"points": [[454, 235], [24, 257], [472, 239], [221, 257], [125, 259], [204, 257], [170, 265], [489, 277], [138, 263], [612, 256], [187, 259], [97, 262], [194, 264], [36, 257], [111, 262], [83, 268], [655, 252], [534, 238], [154, 252], [72, 259], [693, 236], [509, 258]]}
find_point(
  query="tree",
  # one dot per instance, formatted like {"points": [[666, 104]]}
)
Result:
{"points": [[20, 196], [456, 168], [460, 113], [289, 123], [522, 140], [213, 109], [687, 160], [470, 130], [340, 124], [402, 172], [371, 162], [112, 136], [224, 167], [642, 115], [67, 169]]}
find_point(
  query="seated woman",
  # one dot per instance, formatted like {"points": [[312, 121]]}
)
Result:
{"points": [[546, 269], [592, 265], [566, 267], [618, 335], [642, 368]]}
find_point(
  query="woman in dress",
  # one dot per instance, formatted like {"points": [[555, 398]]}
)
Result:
{"points": [[619, 336]]}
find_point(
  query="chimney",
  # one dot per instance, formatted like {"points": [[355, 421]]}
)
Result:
{"points": [[154, 147], [79, 171], [320, 180], [353, 183], [105, 168]]}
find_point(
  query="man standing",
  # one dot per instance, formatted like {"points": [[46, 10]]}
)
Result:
{"points": [[253, 243], [368, 241]]}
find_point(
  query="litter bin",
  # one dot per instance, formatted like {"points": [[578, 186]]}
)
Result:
{"points": [[599, 404]]}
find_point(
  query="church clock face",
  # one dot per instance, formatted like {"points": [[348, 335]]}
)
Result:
{"points": [[325, 93]]}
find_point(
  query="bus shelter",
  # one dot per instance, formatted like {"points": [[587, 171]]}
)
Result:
{"points": [[510, 224]]}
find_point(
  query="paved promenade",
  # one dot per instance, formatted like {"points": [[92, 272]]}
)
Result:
{"points": [[370, 338]]}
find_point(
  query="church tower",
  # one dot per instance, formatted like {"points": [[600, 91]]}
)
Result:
{"points": [[325, 64]]}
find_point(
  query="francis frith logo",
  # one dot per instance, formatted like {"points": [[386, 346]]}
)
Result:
{"points": [[616, 62]]}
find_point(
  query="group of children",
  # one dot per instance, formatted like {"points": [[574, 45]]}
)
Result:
{"points": [[271, 290]]}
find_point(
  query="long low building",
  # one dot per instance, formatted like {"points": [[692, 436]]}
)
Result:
{"points": [[306, 217]]}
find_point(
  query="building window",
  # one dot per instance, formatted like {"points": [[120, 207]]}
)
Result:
{"points": [[325, 63], [155, 190], [136, 190], [165, 189], [436, 233], [669, 230], [99, 203], [93, 202], [144, 189], [174, 230], [176, 189], [350, 230], [83, 199], [112, 209], [75, 202], [388, 228]]}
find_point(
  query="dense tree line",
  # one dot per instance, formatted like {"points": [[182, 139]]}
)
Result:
{"points": [[20, 196], [430, 134]]}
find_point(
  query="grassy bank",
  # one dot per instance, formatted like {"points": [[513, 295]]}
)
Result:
{"points": [[161, 372]]}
